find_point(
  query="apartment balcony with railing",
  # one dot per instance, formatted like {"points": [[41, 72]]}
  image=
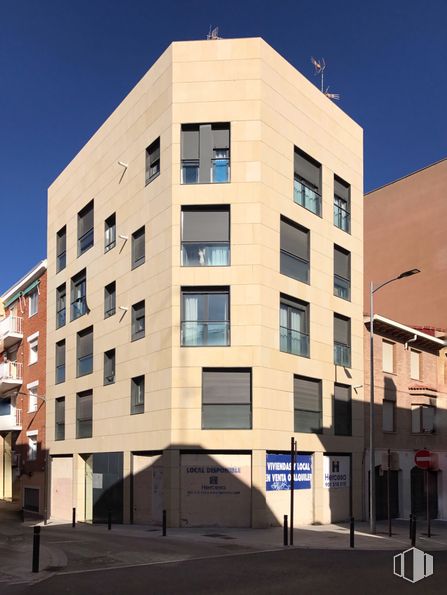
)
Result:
{"points": [[10, 417], [11, 376], [10, 331]]}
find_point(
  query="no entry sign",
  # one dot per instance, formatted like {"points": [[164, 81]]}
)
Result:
{"points": [[423, 459]]}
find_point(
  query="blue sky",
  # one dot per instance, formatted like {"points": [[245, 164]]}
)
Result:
{"points": [[66, 64]]}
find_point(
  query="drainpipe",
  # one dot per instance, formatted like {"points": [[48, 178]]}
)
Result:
{"points": [[415, 338]]}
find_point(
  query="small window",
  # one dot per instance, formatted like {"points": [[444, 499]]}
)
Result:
{"points": [[138, 247], [153, 161], [31, 499], [388, 357], [85, 228], [59, 430], [60, 362], [109, 367], [415, 364], [110, 233], [33, 350], [32, 447], [226, 398], [84, 352], [110, 299], [205, 316], [307, 182], [388, 415], [61, 305], [205, 236], [79, 295], [342, 410], [342, 204], [205, 153], [61, 249], [138, 321], [33, 302], [307, 405], [84, 414], [342, 341], [294, 326], [423, 419], [32, 398], [342, 273], [137, 395], [294, 251]]}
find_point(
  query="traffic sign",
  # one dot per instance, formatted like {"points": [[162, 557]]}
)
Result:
{"points": [[423, 459]]}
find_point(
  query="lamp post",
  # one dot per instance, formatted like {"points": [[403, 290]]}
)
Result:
{"points": [[372, 465]]}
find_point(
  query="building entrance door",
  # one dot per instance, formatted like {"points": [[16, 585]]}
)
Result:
{"points": [[419, 493], [382, 494]]}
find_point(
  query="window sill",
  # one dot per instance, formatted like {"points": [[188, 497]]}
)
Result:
{"points": [[31, 315], [33, 363], [152, 178], [133, 339], [139, 264]]}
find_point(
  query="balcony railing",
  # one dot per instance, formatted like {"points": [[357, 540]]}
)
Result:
{"points": [[190, 171], [342, 217], [342, 287], [205, 254], [342, 355], [11, 331], [195, 334], [10, 418], [307, 197], [11, 371], [294, 342]]}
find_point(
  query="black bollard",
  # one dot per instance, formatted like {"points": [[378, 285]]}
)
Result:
{"points": [[164, 524], [413, 535], [351, 532], [286, 530], [36, 548], [73, 518], [411, 527], [109, 520]]}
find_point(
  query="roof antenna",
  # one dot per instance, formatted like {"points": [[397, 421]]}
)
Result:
{"points": [[320, 66], [213, 33]]}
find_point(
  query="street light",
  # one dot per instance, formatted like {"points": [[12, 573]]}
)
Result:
{"points": [[372, 464]]}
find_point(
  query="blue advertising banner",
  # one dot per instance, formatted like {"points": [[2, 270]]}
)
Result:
{"points": [[278, 475]]}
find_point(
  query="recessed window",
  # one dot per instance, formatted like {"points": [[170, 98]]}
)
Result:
{"points": [[33, 343], [226, 398], [79, 295], [342, 341], [32, 446], [342, 410], [294, 251], [84, 414], [32, 396], [61, 305], [138, 321], [388, 415], [423, 419], [84, 352], [138, 248], [110, 299], [342, 204], [415, 364], [109, 366], [307, 182], [59, 430], [31, 499], [60, 362], [205, 236], [33, 301], [137, 395], [110, 233], [205, 153], [342, 273], [153, 161], [85, 228], [205, 316], [61, 249], [307, 405], [294, 326], [388, 356]]}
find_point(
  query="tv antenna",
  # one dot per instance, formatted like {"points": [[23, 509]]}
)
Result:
{"points": [[213, 33], [320, 66]]}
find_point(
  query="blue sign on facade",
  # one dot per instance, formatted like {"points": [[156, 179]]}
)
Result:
{"points": [[278, 475]]}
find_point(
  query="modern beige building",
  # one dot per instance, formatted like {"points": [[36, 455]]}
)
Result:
{"points": [[206, 246]]}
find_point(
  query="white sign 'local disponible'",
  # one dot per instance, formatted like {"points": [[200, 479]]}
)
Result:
{"points": [[336, 471]]}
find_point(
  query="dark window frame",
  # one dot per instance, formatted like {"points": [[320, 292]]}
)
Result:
{"points": [[110, 299], [89, 234], [60, 367], [205, 291], [136, 262], [153, 160], [59, 426], [61, 305], [342, 204], [110, 226], [317, 411], [345, 281], [88, 357], [78, 305], [136, 335], [337, 404], [109, 362], [207, 153], [203, 244], [290, 303], [295, 258], [342, 351], [61, 255], [303, 183], [85, 394], [207, 403], [136, 383]]}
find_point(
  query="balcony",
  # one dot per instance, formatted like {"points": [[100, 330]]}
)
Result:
{"points": [[10, 331], [10, 418], [307, 197], [295, 342], [200, 333], [10, 376]]}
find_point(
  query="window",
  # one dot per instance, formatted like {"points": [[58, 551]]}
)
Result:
{"points": [[205, 150], [388, 356], [226, 398], [307, 405], [60, 361], [205, 316], [388, 415], [110, 299], [294, 326], [307, 182], [342, 273], [138, 247], [110, 232], [32, 445], [61, 249], [423, 419], [138, 321], [137, 395], [84, 414], [109, 366], [32, 396], [342, 341], [78, 295], [85, 228], [59, 430], [61, 302], [205, 236], [294, 251], [153, 161], [415, 364], [342, 410], [84, 352], [33, 342], [33, 302], [31, 499], [342, 204]]}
